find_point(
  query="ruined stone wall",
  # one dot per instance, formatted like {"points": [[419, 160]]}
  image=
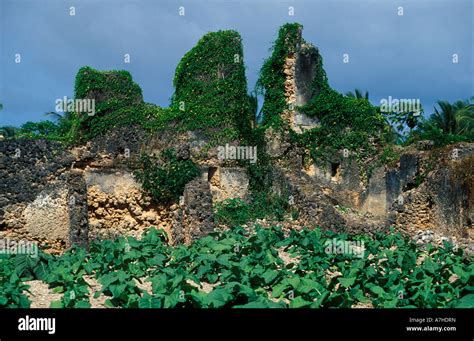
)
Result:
{"points": [[300, 71], [422, 192], [34, 192], [443, 202], [304, 70], [59, 197], [340, 178], [62, 197], [116, 203], [194, 219], [228, 182], [77, 206]]}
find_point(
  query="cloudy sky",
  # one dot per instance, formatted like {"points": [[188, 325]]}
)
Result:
{"points": [[409, 56]]}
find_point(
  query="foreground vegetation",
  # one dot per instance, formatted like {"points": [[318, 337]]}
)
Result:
{"points": [[264, 267], [257, 268]]}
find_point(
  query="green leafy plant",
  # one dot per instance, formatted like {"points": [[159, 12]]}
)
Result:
{"points": [[211, 87], [12, 287], [236, 211], [164, 178], [450, 123], [232, 212], [271, 82], [244, 268]]}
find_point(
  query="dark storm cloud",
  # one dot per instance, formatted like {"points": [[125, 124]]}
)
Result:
{"points": [[405, 56]]}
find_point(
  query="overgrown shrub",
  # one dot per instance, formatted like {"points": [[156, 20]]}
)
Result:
{"points": [[211, 87], [236, 211], [232, 212], [164, 178], [112, 91], [271, 82], [346, 123]]}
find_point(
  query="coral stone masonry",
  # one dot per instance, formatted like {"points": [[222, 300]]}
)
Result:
{"points": [[60, 195]]}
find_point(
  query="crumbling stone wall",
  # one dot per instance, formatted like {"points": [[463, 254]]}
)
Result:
{"points": [[318, 207], [89, 192], [77, 205], [195, 218], [305, 64], [340, 178], [300, 71], [25, 169], [423, 192], [42, 199], [46, 218], [33, 197], [228, 182], [117, 206], [59, 197], [443, 202]]}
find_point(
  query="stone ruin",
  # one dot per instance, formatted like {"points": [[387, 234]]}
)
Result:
{"points": [[59, 197], [300, 71]]}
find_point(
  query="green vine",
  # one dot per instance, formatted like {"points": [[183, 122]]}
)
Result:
{"points": [[114, 93], [211, 87], [271, 82], [164, 178], [345, 123]]}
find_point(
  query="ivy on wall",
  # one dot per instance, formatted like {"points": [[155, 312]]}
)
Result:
{"points": [[112, 90], [164, 178], [271, 82], [115, 94], [345, 123], [211, 87]]}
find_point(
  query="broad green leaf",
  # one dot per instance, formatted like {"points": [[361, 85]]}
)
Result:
{"points": [[390, 303], [109, 304], [56, 304], [108, 279], [466, 301], [218, 298], [299, 302], [377, 290], [347, 282], [58, 290], [269, 276], [82, 304]]}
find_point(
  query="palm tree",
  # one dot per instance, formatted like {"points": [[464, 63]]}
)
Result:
{"points": [[456, 118], [8, 131], [391, 135], [465, 117], [59, 117], [358, 94]]}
